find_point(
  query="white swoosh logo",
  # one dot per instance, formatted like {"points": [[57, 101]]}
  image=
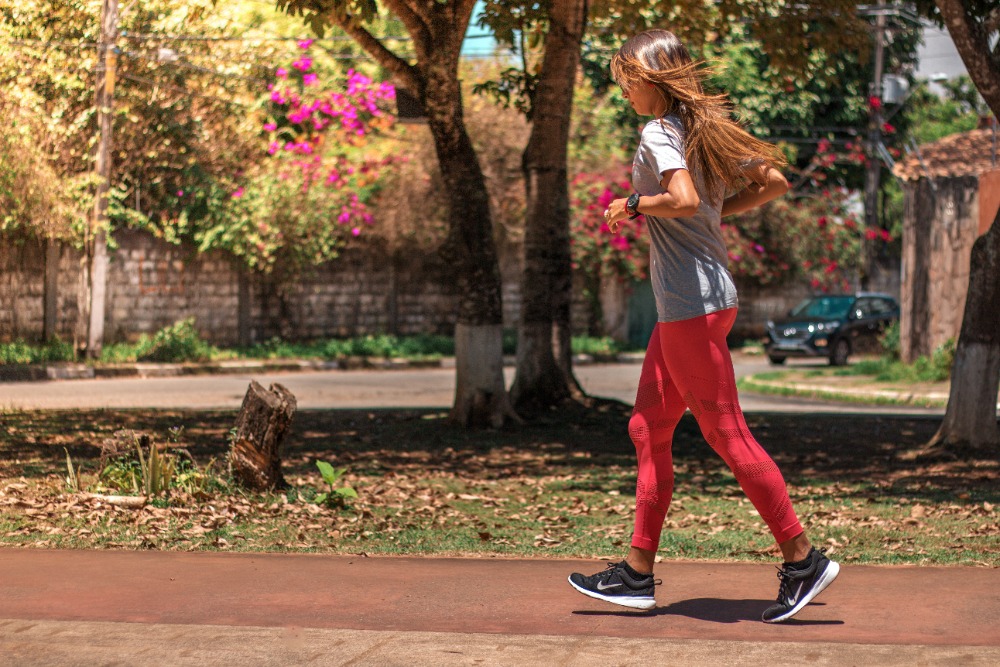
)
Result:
{"points": [[794, 600], [602, 587]]}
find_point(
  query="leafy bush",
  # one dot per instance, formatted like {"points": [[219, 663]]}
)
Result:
{"points": [[604, 346], [936, 368], [890, 340], [178, 342], [21, 352]]}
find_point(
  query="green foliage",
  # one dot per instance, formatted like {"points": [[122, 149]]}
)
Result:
{"points": [[936, 368], [132, 463], [598, 347], [177, 342], [156, 471], [890, 341], [936, 117], [21, 352], [337, 496]]}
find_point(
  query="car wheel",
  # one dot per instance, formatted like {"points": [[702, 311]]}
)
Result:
{"points": [[777, 361], [841, 350]]}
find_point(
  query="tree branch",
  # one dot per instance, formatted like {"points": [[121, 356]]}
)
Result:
{"points": [[406, 73], [416, 24], [972, 41]]}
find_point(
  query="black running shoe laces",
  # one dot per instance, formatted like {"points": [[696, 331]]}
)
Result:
{"points": [[619, 584], [800, 586]]}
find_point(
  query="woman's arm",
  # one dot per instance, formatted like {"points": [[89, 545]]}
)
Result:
{"points": [[679, 201], [766, 184]]}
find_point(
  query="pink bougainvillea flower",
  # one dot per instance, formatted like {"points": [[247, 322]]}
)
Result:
{"points": [[281, 73], [277, 97], [305, 44], [238, 192], [270, 127], [356, 231], [180, 193], [310, 79], [302, 64]]}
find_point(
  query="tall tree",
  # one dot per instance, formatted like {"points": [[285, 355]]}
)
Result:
{"points": [[971, 419], [544, 357], [436, 31]]}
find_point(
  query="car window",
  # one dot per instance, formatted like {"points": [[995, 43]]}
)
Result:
{"points": [[832, 307], [880, 306], [863, 308]]}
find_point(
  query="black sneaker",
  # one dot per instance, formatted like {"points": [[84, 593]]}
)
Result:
{"points": [[619, 584], [800, 586]]}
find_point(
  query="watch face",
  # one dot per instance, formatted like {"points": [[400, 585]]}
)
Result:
{"points": [[633, 202]]}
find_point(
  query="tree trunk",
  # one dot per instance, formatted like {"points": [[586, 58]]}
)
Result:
{"points": [[261, 425], [480, 397], [971, 418], [544, 358]]}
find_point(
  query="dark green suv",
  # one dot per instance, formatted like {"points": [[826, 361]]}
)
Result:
{"points": [[832, 326]]}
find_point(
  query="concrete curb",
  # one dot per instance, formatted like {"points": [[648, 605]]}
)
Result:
{"points": [[73, 371]]}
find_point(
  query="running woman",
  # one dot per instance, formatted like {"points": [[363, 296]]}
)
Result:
{"points": [[690, 155]]}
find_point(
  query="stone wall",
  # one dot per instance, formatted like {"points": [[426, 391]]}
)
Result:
{"points": [[152, 284]]}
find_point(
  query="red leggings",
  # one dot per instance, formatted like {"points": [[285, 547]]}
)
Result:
{"points": [[688, 365]]}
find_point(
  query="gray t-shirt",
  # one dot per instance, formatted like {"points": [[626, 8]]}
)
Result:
{"points": [[688, 260]]}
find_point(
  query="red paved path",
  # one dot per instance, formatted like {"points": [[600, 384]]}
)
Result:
{"points": [[867, 605]]}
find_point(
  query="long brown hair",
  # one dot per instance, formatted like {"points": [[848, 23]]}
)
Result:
{"points": [[714, 142]]}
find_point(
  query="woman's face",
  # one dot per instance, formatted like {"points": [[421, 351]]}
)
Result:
{"points": [[644, 99]]}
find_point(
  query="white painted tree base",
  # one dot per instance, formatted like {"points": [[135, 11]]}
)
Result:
{"points": [[975, 378], [480, 395]]}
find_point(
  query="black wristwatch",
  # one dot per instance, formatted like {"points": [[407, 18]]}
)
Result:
{"points": [[632, 206]]}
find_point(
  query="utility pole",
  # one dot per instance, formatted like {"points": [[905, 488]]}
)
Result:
{"points": [[873, 173], [103, 101]]}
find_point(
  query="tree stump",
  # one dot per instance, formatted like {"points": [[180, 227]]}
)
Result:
{"points": [[261, 425]]}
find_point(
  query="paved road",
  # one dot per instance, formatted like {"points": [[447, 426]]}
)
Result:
{"points": [[431, 388]]}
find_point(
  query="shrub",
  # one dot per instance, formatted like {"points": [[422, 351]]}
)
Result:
{"points": [[178, 342]]}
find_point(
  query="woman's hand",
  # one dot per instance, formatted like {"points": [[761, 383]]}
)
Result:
{"points": [[615, 213], [766, 183]]}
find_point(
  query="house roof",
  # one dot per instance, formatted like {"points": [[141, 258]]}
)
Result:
{"points": [[965, 154]]}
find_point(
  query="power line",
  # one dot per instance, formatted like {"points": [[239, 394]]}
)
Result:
{"points": [[185, 91], [192, 66], [233, 38]]}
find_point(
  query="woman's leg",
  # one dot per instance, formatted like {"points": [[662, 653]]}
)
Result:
{"points": [[698, 361], [658, 408]]}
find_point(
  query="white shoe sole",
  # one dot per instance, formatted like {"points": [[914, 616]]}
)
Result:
{"points": [[831, 572], [644, 603]]}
